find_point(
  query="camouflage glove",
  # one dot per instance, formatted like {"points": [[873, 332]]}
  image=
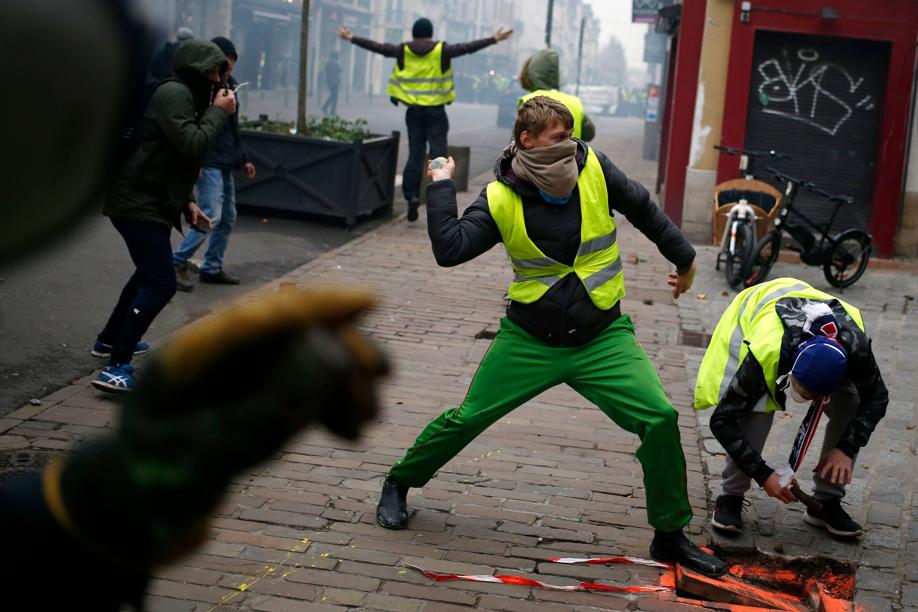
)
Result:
{"points": [[225, 394]]}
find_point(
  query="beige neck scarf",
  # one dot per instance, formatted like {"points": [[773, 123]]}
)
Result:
{"points": [[553, 170]]}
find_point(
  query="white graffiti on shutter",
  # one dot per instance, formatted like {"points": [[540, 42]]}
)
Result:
{"points": [[783, 86]]}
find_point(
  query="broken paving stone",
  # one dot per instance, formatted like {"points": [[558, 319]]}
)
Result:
{"points": [[728, 590]]}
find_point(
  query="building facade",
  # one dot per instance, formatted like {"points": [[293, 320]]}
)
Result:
{"points": [[829, 84], [267, 32]]}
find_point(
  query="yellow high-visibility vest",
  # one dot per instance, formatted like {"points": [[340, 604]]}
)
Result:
{"points": [[422, 82], [597, 263], [752, 325]]}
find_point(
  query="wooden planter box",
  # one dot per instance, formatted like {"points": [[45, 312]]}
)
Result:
{"points": [[339, 180]]}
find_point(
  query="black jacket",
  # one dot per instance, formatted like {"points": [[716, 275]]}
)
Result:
{"points": [[748, 386], [565, 315], [423, 46], [227, 151]]}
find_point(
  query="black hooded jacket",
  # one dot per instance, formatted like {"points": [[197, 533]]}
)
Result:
{"points": [[565, 315], [228, 151], [749, 385]]}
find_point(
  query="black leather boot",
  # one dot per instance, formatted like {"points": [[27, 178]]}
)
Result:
{"points": [[392, 511], [673, 547]]}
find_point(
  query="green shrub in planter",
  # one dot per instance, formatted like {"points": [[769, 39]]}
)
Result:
{"points": [[326, 128]]}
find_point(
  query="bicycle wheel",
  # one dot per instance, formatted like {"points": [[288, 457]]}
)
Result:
{"points": [[737, 258], [849, 258], [763, 258]]}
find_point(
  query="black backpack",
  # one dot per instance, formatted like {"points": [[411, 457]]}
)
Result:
{"points": [[129, 135]]}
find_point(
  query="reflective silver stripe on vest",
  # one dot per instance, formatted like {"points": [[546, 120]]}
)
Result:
{"points": [[736, 338], [427, 92], [598, 279], [397, 80], [536, 263], [597, 244], [545, 280], [422, 92]]}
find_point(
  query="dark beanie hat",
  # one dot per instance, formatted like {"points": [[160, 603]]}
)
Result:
{"points": [[227, 46], [422, 28], [819, 365]]}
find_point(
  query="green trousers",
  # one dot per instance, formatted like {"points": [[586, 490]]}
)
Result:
{"points": [[612, 371]]}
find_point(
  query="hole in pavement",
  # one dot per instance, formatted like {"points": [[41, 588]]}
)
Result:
{"points": [[486, 334], [693, 338], [772, 582]]}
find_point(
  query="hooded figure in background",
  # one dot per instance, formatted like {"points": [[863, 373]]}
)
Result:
{"points": [[541, 76], [161, 66], [152, 190]]}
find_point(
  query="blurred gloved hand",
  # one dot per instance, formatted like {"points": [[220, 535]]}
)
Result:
{"points": [[225, 394]]}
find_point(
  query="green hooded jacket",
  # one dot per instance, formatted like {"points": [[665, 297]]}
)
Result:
{"points": [[543, 71], [158, 178]]}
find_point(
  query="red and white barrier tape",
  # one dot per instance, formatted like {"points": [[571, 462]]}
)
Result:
{"points": [[608, 560], [582, 586]]}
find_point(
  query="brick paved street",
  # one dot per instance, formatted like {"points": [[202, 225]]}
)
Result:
{"points": [[555, 478]]}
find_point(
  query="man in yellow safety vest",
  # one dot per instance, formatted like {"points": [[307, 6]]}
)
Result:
{"points": [[422, 79], [778, 344], [551, 205]]}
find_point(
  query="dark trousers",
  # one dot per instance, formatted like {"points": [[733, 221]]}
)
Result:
{"points": [[147, 292], [330, 106], [425, 124]]}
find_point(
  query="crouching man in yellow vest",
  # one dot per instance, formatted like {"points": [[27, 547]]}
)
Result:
{"points": [[422, 80], [552, 206], [778, 344]]}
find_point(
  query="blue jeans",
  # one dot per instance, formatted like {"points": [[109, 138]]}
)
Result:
{"points": [[216, 192]]}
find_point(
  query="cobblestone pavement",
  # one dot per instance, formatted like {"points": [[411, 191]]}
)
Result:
{"points": [[554, 478]]}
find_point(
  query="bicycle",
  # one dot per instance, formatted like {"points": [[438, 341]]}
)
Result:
{"points": [[738, 239], [843, 256]]}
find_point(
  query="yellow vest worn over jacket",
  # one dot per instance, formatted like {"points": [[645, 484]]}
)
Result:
{"points": [[597, 263], [751, 325], [572, 103], [422, 82]]}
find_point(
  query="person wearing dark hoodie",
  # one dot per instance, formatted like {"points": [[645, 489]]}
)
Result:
{"points": [[161, 66], [553, 204], [779, 345], [541, 76], [422, 79], [152, 190], [216, 191]]}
